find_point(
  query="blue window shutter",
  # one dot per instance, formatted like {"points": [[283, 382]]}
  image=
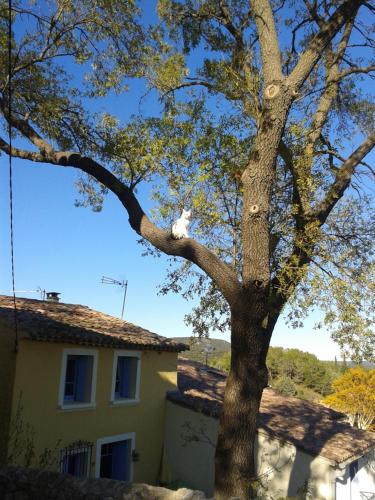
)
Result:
{"points": [[121, 460], [80, 378], [353, 469], [65, 465]]}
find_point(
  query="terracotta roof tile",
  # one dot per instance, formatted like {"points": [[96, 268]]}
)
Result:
{"points": [[312, 427], [76, 324]]}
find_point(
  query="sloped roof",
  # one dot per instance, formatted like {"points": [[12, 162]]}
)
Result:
{"points": [[76, 324], [311, 427]]}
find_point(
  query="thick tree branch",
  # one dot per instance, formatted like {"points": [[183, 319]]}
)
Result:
{"points": [[287, 279], [342, 180], [218, 271], [332, 62], [313, 53], [287, 156], [21, 153], [351, 71], [268, 39], [331, 89]]}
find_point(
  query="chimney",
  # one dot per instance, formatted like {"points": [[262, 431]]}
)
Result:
{"points": [[53, 296]]}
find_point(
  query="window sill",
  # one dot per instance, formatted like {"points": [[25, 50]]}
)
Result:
{"points": [[77, 406], [125, 402]]}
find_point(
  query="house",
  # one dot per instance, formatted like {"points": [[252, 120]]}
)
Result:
{"points": [[88, 394], [304, 450], [82, 392]]}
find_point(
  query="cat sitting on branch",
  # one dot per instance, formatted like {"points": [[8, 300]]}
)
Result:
{"points": [[179, 228]]}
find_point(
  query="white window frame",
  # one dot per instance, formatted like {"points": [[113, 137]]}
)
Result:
{"points": [[125, 401], [64, 405], [113, 439]]}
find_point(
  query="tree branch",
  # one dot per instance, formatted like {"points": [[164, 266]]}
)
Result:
{"points": [[342, 180], [350, 71], [218, 271], [287, 155], [269, 43], [313, 53], [21, 153], [192, 83], [25, 128]]}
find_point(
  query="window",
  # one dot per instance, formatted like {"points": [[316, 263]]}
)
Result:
{"points": [[78, 378], [114, 457], [126, 377], [75, 459]]}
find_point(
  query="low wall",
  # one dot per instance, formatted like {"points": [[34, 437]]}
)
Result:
{"points": [[17, 483]]}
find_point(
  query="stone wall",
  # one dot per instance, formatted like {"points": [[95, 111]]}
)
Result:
{"points": [[17, 483]]}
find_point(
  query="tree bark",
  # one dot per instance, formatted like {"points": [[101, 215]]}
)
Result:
{"points": [[234, 460]]}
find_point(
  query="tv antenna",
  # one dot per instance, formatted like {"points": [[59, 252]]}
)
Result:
{"points": [[38, 290], [123, 284]]}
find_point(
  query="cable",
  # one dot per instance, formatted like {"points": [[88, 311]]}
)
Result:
{"points": [[10, 168]]}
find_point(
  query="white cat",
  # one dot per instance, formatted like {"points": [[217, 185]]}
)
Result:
{"points": [[179, 228]]}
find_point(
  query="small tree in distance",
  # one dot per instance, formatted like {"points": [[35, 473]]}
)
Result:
{"points": [[267, 144], [354, 395]]}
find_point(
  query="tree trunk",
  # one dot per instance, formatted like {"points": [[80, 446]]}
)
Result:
{"points": [[234, 459]]}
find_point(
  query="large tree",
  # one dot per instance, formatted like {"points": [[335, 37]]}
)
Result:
{"points": [[263, 128]]}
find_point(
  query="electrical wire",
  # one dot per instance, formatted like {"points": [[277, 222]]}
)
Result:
{"points": [[10, 170]]}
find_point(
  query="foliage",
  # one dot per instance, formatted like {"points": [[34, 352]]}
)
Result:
{"points": [[221, 362], [21, 444], [286, 386], [354, 395], [293, 372], [302, 368]]}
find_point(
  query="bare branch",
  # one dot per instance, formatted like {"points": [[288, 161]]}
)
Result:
{"points": [[343, 178], [193, 83], [350, 71], [313, 53]]}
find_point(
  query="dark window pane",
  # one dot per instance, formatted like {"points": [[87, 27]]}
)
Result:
{"points": [[115, 460], [126, 377], [106, 460], [78, 379]]}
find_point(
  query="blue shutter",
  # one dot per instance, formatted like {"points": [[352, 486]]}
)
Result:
{"points": [[80, 378], [65, 465], [121, 460]]}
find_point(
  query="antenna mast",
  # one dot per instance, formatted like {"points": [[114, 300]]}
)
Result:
{"points": [[123, 284]]}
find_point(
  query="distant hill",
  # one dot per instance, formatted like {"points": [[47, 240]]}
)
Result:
{"points": [[216, 347], [200, 348]]}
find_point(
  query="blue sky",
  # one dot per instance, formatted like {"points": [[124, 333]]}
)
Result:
{"points": [[59, 247]]}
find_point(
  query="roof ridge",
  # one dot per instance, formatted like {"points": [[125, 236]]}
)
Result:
{"points": [[74, 323]]}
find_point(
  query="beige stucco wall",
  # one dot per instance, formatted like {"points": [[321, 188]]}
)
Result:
{"points": [[7, 368], [37, 377], [282, 469]]}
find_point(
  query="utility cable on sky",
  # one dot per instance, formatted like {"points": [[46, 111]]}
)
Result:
{"points": [[10, 168]]}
